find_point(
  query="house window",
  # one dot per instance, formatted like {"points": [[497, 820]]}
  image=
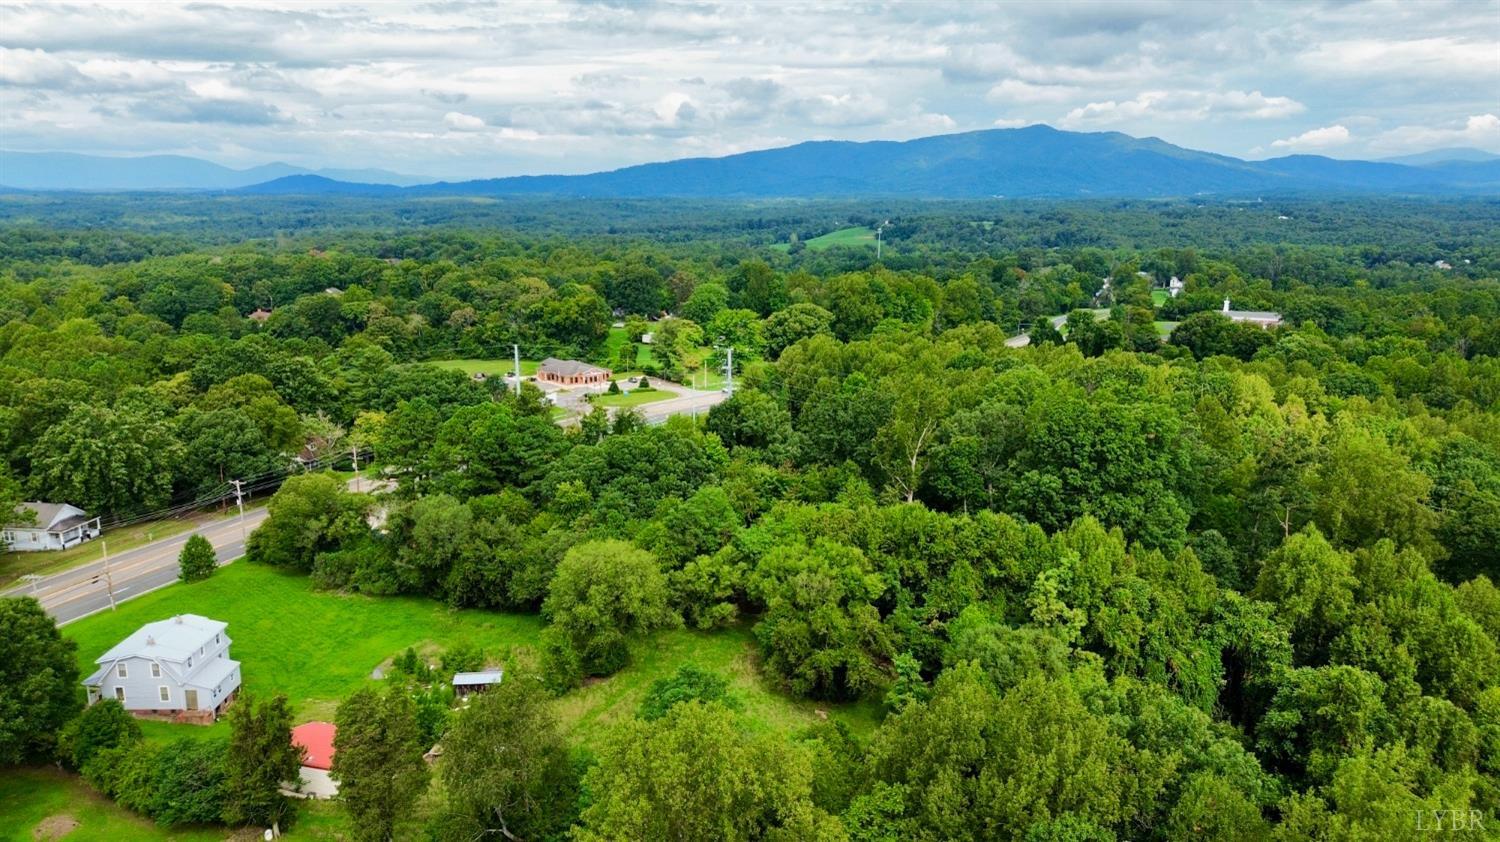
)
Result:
{"points": [[155, 670], [120, 694], [190, 663], [166, 695], [120, 669]]}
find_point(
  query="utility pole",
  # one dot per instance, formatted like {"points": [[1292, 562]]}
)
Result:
{"points": [[109, 580], [239, 500], [353, 451], [516, 350], [729, 370]]}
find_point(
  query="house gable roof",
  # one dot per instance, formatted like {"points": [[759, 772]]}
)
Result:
{"points": [[174, 639], [48, 515]]}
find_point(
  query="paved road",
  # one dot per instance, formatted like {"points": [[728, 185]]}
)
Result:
{"points": [[689, 404], [688, 401], [84, 590], [81, 591]]}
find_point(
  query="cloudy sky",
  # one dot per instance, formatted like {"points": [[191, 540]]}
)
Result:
{"points": [[460, 89]]}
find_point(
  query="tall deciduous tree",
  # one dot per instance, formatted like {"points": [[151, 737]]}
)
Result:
{"points": [[505, 765], [38, 681], [106, 460], [694, 774], [603, 592]]}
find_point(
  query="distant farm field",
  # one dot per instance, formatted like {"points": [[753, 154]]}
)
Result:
{"points": [[860, 236], [489, 368]]}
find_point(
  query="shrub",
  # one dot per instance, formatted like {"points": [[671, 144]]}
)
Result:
{"points": [[688, 684], [197, 561], [462, 657], [100, 726]]}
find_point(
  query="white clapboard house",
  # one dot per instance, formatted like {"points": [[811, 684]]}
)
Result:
{"points": [[178, 667], [49, 526]]}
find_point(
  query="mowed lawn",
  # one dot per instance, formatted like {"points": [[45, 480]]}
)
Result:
{"points": [[851, 237], [636, 397], [616, 340], [489, 368], [43, 803], [316, 647]]}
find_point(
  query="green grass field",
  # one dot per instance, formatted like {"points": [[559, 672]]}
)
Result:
{"points": [[635, 398], [616, 340], [1160, 297], [314, 646], [318, 647], [489, 368], [38, 804], [852, 237]]}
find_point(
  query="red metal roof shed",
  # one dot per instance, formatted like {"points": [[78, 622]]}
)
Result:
{"points": [[316, 738]]}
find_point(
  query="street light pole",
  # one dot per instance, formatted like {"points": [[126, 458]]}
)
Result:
{"points": [[354, 452], [729, 371], [516, 351]]}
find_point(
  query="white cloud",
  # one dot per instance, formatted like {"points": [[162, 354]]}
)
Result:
{"points": [[1004, 123], [1015, 90], [1445, 57], [1479, 130], [1324, 138], [565, 86], [461, 122], [1183, 106]]}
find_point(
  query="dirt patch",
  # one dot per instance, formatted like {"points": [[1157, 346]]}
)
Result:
{"points": [[54, 827]]}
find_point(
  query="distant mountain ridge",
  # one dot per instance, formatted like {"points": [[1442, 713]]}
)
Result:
{"points": [[72, 171], [1033, 162]]}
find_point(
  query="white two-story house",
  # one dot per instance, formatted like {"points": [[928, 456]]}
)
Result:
{"points": [[178, 667]]}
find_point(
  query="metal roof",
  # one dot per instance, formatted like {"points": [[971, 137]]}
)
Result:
{"points": [[214, 672], [174, 639], [486, 677]]}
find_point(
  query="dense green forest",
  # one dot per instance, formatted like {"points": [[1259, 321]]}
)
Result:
{"points": [[1128, 582]]}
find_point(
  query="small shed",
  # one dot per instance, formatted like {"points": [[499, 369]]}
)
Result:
{"points": [[468, 683], [316, 739]]}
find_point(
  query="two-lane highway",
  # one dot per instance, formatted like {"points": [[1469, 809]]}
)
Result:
{"points": [[84, 590]]}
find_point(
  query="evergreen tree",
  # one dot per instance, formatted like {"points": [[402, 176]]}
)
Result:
{"points": [[197, 561], [261, 758], [377, 760]]}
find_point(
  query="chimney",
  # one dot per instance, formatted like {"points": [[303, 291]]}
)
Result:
{"points": [[150, 641], [1226, 305], [178, 619]]}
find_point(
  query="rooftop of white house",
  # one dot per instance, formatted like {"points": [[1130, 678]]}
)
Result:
{"points": [[175, 639]]}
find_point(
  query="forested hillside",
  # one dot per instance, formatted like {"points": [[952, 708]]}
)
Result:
{"points": [[1155, 576]]}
